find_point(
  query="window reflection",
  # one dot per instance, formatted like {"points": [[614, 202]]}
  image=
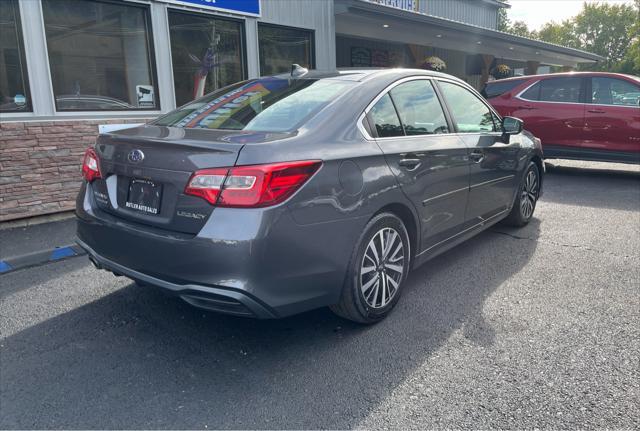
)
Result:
{"points": [[385, 119], [419, 108], [100, 55], [280, 47], [469, 112], [14, 86], [206, 53], [267, 105], [611, 91]]}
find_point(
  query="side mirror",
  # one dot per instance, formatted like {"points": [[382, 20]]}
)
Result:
{"points": [[512, 125]]}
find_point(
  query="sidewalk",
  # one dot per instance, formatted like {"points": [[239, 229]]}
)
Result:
{"points": [[32, 245]]}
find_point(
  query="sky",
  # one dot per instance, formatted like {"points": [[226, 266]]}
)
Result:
{"points": [[538, 12]]}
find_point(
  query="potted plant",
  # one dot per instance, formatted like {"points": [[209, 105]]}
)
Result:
{"points": [[501, 71], [434, 63]]}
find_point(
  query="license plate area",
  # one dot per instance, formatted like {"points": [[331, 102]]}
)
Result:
{"points": [[144, 196]]}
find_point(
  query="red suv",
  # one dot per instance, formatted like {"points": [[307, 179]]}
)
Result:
{"points": [[587, 116]]}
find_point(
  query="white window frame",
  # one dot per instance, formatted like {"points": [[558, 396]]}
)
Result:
{"points": [[39, 72]]}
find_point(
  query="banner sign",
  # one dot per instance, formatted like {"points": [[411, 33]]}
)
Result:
{"points": [[412, 5], [244, 7]]}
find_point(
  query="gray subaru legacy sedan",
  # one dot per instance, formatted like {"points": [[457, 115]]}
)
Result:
{"points": [[282, 194]]}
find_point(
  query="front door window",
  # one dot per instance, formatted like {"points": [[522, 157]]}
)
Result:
{"points": [[611, 91]]}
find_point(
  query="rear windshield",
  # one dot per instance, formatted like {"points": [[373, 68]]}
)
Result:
{"points": [[497, 88], [267, 104]]}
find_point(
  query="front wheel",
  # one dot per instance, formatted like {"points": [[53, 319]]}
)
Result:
{"points": [[377, 271], [526, 198]]}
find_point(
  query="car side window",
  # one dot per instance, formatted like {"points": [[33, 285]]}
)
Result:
{"points": [[469, 112], [498, 88], [563, 90], [612, 91], [532, 93], [419, 108], [385, 119]]}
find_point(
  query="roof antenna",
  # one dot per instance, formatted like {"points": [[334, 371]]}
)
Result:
{"points": [[297, 71]]}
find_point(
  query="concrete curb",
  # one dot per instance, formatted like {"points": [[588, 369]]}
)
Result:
{"points": [[39, 258]]}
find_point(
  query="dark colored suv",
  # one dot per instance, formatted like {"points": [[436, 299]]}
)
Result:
{"points": [[282, 194], [590, 115]]}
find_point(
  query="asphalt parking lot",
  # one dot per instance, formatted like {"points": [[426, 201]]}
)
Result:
{"points": [[538, 327]]}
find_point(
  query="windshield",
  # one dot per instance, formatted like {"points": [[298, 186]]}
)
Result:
{"points": [[268, 104]]}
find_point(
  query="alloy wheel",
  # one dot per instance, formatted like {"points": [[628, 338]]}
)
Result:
{"points": [[382, 268], [529, 194]]}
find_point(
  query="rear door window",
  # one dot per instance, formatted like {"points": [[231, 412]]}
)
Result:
{"points": [[469, 112], [498, 88], [385, 119], [532, 93], [562, 90], [419, 108]]}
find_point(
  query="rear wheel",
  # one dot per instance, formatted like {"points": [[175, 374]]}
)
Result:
{"points": [[527, 197], [377, 271]]}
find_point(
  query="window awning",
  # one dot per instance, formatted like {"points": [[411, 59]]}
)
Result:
{"points": [[362, 18]]}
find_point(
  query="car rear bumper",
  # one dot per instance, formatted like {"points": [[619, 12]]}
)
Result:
{"points": [[253, 262], [218, 299]]}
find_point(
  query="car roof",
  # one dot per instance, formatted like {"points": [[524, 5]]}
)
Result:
{"points": [[364, 74], [564, 74]]}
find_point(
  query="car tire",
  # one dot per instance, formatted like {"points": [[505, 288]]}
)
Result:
{"points": [[377, 271], [526, 198]]}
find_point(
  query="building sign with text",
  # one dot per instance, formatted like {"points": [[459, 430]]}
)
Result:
{"points": [[412, 5], [244, 7]]}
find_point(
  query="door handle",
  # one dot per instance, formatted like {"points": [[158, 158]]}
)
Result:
{"points": [[476, 156], [410, 164], [527, 107], [596, 111]]}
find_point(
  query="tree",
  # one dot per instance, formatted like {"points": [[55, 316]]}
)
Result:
{"points": [[632, 60], [559, 33], [609, 30], [503, 18], [520, 28], [604, 30]]}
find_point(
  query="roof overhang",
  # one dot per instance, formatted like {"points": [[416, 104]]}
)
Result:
{"points": [[497, 3], [361, 18]]}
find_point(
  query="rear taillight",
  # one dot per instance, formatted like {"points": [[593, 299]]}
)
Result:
{"points": [[90, 166], [251, 186]]}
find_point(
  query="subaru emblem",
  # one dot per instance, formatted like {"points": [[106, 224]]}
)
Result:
{"points": [[136, 156]]}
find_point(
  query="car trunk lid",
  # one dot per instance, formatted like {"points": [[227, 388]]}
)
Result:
{"points": [[146, 169]]}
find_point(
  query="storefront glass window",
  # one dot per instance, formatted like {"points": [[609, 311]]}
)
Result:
{"points": [[14, 86], [101, 55], [280, 47], [206, 53]]}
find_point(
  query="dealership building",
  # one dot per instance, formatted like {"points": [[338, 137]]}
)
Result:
{"points": [[71, 67]]}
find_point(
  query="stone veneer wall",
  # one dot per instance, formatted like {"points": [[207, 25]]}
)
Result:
{"points": [[40, 164]]}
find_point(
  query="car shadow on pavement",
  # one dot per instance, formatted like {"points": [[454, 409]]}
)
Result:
{"points": [[593, 187], [139, 358]]}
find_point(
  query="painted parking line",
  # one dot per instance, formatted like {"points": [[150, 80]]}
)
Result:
{"points": [[10, 264], [62, 252], [4, 267]]}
